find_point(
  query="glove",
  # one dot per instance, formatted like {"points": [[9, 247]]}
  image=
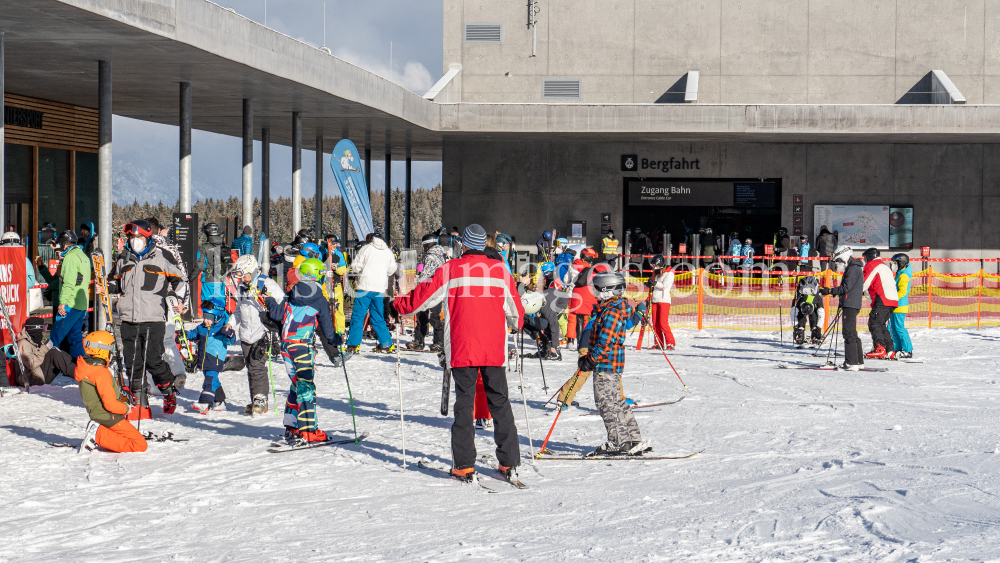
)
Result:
{"points": [[332, 350], [641, 308], [824, 291], [268, 322], [650, 282], [585, 364], [582, 352]]}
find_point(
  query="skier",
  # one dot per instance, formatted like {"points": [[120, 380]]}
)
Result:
{"points": [[807, 306], [543, 245], [339, 266], [850, 291], [88, 238], [660, 283], [42, 362], [74, 287], [881, 288], [482, 301], [246, 324], [748, 255], [897, 322], [606, 359], [804, 253], [212, 262], [299, 313], [435, 255], [213, 337], [783, 243], [735, 250], [374, 263], [825, 245], [105, 402], [543, 327], [243, 244], [641, 245], [505, 247], [584, 300], [146, 275], [171, 354]]}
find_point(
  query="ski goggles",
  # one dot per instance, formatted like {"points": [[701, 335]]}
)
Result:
{"points": [[138, 228]]}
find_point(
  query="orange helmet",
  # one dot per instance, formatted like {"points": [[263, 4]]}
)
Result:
{"points": [[99, 344], [589, 254]]}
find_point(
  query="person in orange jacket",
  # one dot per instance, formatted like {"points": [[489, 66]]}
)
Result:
{"points": [[105, 402]]}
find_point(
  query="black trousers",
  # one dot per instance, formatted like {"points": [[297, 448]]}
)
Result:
{"points": [[55, 362], [463, 431], [853, 353], [430, 317], [256, 361], [142, 348], [878, 321]]}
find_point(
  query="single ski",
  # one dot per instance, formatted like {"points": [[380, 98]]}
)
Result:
{"points": [[829, 367], [281, 448], [63, 445], [445, 392], [151, 436], [426, 464], [493, 464], [186, 347], [640, 406], [616, 457]]}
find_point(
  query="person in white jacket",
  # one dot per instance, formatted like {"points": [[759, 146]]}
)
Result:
{"points": [[374, 263], [662, 282], [245, 321]]}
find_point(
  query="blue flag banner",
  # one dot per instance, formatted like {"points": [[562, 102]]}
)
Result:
{"points": [[346, 166]]}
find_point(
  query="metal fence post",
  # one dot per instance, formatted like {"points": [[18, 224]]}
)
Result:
{"points": [[930, 293], [701, 296]]}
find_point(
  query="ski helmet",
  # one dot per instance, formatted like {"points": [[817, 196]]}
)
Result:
{"points": [[734, 236], [35, 327], [214, 310], [210, 229], [532, 302], [871, 254], [306, 234], [504, 240], [99, 344], [546, 268], [310, 250], [609, 284], [311, 269], [299, 240], [747, 242], [842, 255], [589, 255], [65, 239], [10, 238], [429, 240], [546, 235], [901, 260], [333, 238], [246, 264], [658, 262], [809, 285]]}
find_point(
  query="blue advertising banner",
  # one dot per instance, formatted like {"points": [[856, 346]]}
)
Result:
{"points": [[346, 167]]}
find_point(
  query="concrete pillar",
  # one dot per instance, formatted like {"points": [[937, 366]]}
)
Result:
{"points": [[388, 196], [265, 183], [296, 172], [406, 211], [368, 172], [3, 171], [247, 162], [318, 221], [184, 183], [106, 238]]}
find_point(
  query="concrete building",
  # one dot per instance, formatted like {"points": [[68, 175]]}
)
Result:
{"points": [[548, 110]]}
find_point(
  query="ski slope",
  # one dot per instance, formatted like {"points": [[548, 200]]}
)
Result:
{"points": [[800, 465]]}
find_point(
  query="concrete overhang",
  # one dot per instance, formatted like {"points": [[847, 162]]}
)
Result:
{"points": [[53, 47]]}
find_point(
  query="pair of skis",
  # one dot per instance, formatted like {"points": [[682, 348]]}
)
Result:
{"points": [[101, 281], [278, 448]]}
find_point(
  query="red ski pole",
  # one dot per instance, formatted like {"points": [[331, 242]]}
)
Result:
{"points": [[658, 341], [541, 451]]}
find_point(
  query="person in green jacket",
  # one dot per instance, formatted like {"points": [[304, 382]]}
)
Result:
{"points": [[73, 296]]}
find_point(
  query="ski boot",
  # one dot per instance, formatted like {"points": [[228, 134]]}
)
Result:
{"points": [[258, 406], [350, 351], [849, 367], [390, 349], [90, 440], [638, 448], [817, 336], [799, 336], [169, 393], [891, 356], [465, 475], [292, 435], [313, 435], [414, 346], [904, 355], [608, 448], [436, 348], [554, 356], [205, 408], [670, 347], [878, 353]]}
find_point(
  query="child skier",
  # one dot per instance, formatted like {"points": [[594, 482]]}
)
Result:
{"points": [[606, 359], [748, 255], [807, 305], [302, 309], [213, 337], [897, 322], [804, 249], [105, 402], [881, 287], [735, 250]]}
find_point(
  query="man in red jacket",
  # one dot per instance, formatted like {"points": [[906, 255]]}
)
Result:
{"points": [[480, 301], [880, 285]]}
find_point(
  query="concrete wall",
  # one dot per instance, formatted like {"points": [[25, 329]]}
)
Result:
{"points": [[748, 51], [524, 187]]}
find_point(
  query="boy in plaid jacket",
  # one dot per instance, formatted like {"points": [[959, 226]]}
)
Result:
{"points": [[606, 359]]}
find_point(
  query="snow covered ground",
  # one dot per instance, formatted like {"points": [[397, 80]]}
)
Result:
{"points": [[799, 465]]}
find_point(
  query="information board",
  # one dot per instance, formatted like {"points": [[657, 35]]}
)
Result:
{"points": [[754, 194], [184, 233]]}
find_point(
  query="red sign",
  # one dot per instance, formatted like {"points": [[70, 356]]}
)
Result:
{"points": [[925, 251], [768, 249], [12, 288], [53, 266], [682, 248]]}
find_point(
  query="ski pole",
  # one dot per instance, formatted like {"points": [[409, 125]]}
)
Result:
{"points": [[527, 423], [145, 348], [270, 372], [541, 450], [541, 364], [662, 349], [399, 379], [351, 397]]}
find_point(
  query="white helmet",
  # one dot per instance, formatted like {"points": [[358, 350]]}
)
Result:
{"points": [[246, 264], [842, 255], [532, 302], [10, 238]]}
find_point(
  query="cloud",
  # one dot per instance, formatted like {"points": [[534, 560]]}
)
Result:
{"points": [[415, 77]]}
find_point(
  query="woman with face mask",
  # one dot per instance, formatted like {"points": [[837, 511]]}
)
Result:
{"points": [[850, 291]]}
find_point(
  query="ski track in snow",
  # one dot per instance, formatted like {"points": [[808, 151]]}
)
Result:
{"points": [[800, 465]]}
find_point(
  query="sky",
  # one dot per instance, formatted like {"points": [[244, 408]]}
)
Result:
{"points": [[145, 154]]}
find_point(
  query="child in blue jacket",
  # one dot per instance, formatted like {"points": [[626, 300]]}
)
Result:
{"points": [[213, 338]]}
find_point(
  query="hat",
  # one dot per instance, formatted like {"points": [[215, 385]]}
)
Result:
{"points": [[474, 237]]}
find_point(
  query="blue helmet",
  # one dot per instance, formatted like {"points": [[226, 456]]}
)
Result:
{"points": [[214, 309], [310, 250], [546, 235], [547, 268]]}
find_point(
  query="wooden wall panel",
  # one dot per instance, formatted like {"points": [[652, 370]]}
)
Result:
{"points": [[63, 126]]}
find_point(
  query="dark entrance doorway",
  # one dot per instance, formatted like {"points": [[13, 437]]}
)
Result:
{"points": [[749, 207]]}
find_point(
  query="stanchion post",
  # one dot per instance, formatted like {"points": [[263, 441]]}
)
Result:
{"points": [[700, 272], [979, 304], [828, 281], [930, 294]]}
